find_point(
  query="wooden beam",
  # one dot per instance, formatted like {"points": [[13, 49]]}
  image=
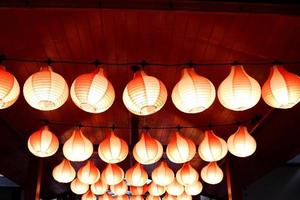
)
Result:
{"points": [[234, 185]]}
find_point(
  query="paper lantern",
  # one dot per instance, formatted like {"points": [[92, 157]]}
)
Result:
{"points": [[212, 174], [184, 196], [187, 175], [43, 143], [99, 187], [89, 196], [92, 92], [282, 89], [112, 174], [239, 91], [175, 188], [151, 197], [88, 174], [180, 149], [122, 197], [136, 175], [156, 190], [113, 149], [136, 197], [194, 189], [78, 187], [64, 172], [138, 190], [212, 147], [9, 88], [119, 189], [144, 95], [45, 90], [78, 147], [162, 174], [105, 197], [169, 197], [148, 150], [193, 93]]}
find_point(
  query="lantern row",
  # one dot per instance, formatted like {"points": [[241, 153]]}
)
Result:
{"points": [[145, 95]]}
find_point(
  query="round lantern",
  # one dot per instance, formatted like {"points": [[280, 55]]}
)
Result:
{"points": [[180, 149], [136, 175], [241, 143], [77, 147], [113, 149], [194, 189], [169, 197], [43, 143], [193, 93], [144, 95], [45, 90], [89, 196], [99, 187], [148, 150], [139, 190], [282, 89], [239, 91], [9, 88], [151, 197], [136, 197], [112, 174], [88, 174], [119, 189], [105, 197], [122, 197], [78, 187], [212, 174], [184, 196], [162, 175], [64, 172], [93, 92], [156, 190], [212, 148], [175, 188], [187, 175]]}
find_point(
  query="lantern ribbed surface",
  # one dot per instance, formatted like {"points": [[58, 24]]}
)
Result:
{"points": [[151, 197], [136, 175], [64, 172], [136, 197], [169, 197], [105, 197], [162, 175], [175, 188], [122, 197], [187, 175], [120, 188], [99, 188], [212, 173], [89, 173], [78, 187], [138, 190], [112, 174], [194, 189], [89, 196], [184, 196], [156, 190]]}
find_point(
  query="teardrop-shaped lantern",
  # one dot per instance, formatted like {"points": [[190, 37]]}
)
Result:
{"points": [[78, 187], [112, 174], [169, 197], [212, 173], [180, 149], [193, 93], [184, 196], [120, 188], [241, 143], [194, 189], [45, 90], [212, 148], [144, 95], [136, 175], [187, 175], [138, 190], [162, 175], [88, 174], [122, 197], [175, 188], [148, 150], [9, 88], [151, 197], [113, 149], [64, 172], [239, 91], [99, 187], [89, 196], [156, 190], [92, 92], [136, 197], [43, 143], [78, 147], [282, 89], [105, 197]]}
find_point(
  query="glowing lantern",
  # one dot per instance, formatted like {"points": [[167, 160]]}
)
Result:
{"points": [[156, 190], [136, 175], [211, 173], [43, 143], [99, 187], [187, 175], [239, 91], [122, 197], [113, 149], [194, 189], [193, 93], [88, 196], [282, 89], [46, 90], [162, 175], [64, 172], [212, 148], [138, 190], [78, 187], [77, 147], [119, 189], [144, 95], [151, 197], [169, 197], [9, 88], [88, 174], [180, 149], [175, 188], [136, 197], [105, 197], [112, 174], [148, 150], [184, 196]]}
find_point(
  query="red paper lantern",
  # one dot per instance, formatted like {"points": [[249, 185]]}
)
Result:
{"points": [[136, 175], [162, 174]]}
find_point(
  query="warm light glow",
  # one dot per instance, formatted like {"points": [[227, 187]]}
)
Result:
{"points": [[113, 149], [156, 190], [187, 175], [78, 187], [43, 143], [211, 173], [77, 147], [45, 90], [138, 190], [239, 91], [136, 175], [105, 197], [175, 188], [144, 95], [9, 88], [93, 92], [194, 189], [122, 197], [184, 196], [89, 196], [169, 197], [162, 174], [151, 197], [64, 172], [88, 174], [136, 197], [112, 174], [180, 149], [193, 93], [282, 89], [119, 189], [99, 187], [148, 150], [212, 148]]}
